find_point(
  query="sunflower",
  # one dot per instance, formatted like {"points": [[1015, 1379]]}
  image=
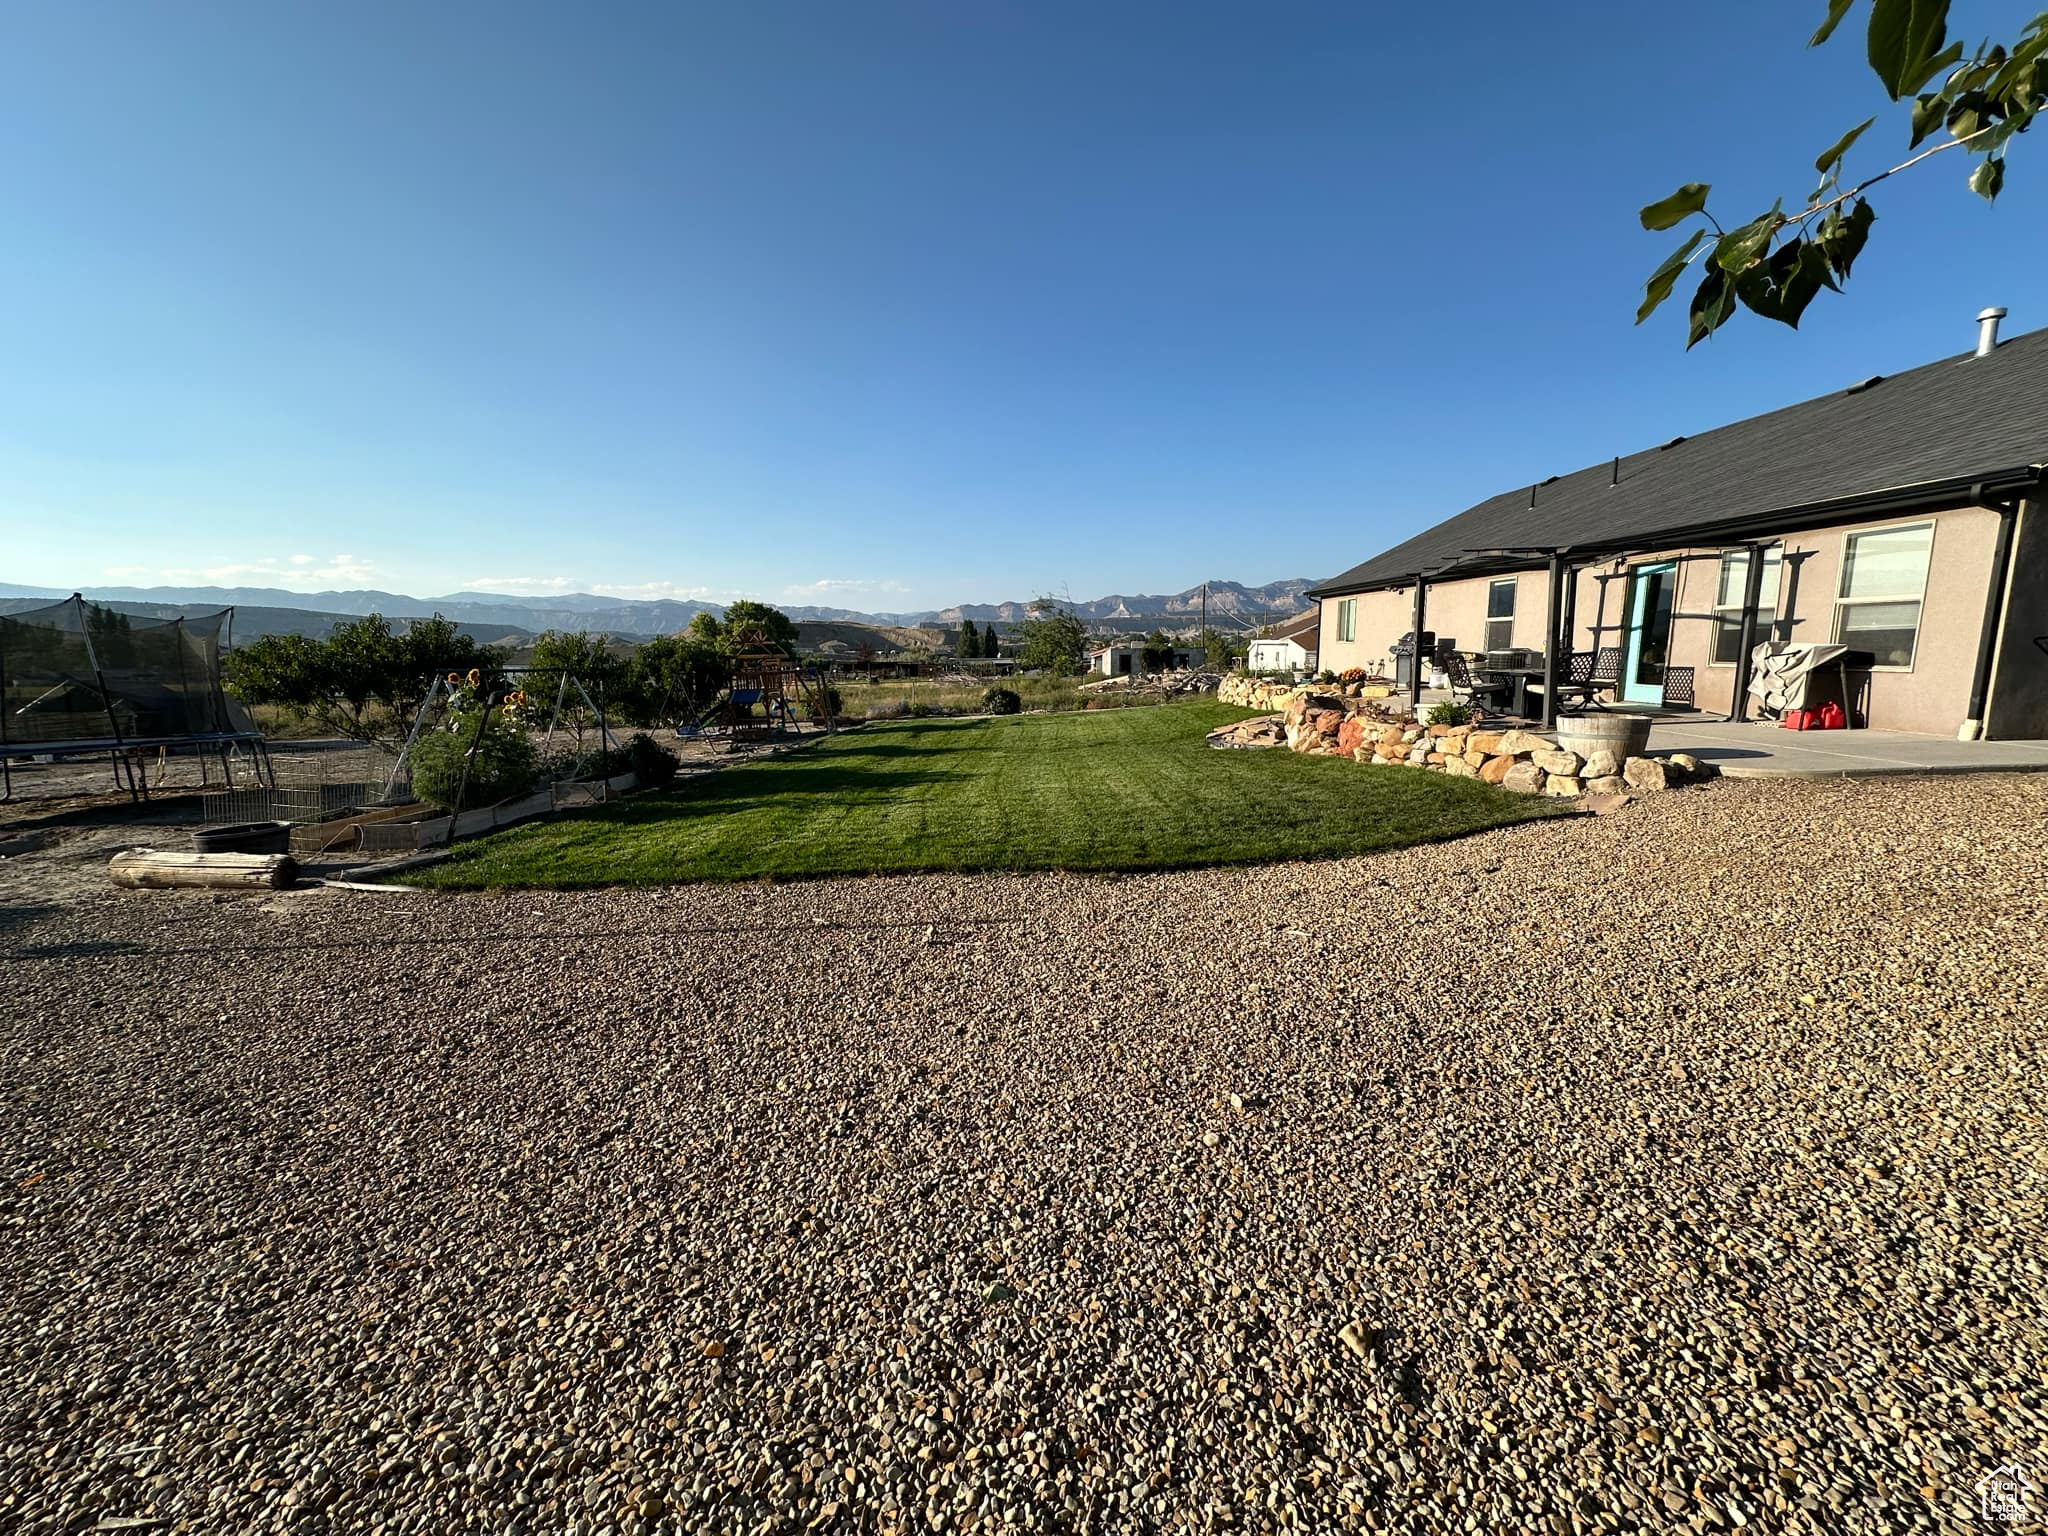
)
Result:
{"points": [[476, 677]]}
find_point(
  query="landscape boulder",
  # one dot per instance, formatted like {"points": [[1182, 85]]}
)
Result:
{"points": [[1644, 775], [1524, 779], [1600, 763], [1494, 769], [1556, 760]]}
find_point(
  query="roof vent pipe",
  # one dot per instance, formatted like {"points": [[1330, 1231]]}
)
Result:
{"points": [[1987, 329]]}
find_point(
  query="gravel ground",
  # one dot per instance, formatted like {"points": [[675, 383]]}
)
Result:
{"points": [[1681, 1169]]}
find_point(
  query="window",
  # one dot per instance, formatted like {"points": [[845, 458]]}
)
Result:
{"points": [[1347, 619], [1884, 578], [1500, 614], [1728, 602]]}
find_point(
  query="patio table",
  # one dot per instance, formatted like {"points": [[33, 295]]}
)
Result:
{"points": [[1521, 677]]}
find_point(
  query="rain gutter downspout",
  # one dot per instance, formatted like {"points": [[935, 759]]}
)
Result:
{"points": [[1994, 610]]}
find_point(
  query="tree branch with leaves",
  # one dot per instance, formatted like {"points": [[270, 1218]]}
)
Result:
{"points": [[1776, 264]]}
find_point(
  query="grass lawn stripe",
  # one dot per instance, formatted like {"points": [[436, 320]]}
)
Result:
{"points": [[1123, 789]]}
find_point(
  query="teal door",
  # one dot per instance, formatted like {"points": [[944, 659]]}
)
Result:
{"points": [[1648, 642]]}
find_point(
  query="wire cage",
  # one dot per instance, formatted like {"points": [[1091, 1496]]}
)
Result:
{"points": [[311, 787]]}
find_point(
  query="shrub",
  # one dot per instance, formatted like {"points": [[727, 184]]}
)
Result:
{"points": [[504, 764], [1002, 701], [1326, 676], [653, 762], [1448, 713]]}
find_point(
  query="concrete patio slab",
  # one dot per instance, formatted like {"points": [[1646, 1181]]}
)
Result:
{"points": [[1769, 751]]}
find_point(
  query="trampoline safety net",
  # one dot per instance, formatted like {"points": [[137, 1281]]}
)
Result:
{"points": [[76, 676]]}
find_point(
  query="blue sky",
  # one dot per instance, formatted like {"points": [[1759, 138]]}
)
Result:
{"points": [[893, 304]]}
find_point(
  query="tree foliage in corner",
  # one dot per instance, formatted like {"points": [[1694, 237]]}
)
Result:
{"points": [[1777, 263]]}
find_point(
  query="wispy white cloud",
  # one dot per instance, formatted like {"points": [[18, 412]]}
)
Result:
{"points": [[292, 570], [520, 586], [844, 586], [657, 591], [639, 592]]}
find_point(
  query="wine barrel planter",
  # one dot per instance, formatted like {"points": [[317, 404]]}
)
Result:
{"points": [[249, 837], [1626, 736]]}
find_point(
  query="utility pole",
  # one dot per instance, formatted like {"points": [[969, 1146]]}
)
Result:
{"points": [[1205, 622]]}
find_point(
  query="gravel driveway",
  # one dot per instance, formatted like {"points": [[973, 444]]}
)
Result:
{"points": [[1678, 1169]]}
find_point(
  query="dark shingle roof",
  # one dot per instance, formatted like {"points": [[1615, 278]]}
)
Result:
{"points": [[1962, 419]]}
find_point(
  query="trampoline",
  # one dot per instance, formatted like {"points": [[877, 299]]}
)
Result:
{"points": [[77, 679]]}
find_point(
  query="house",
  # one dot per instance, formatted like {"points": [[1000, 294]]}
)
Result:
{"points": [[1905, 518], [1290, 648], [1127, 659]]}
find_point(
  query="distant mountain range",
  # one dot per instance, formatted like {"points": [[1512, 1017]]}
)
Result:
{"points": [[500, 616]]}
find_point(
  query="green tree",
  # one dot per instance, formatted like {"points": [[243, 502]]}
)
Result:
{"points": [[1218, 654], [431, 648], [750, 623], [362, 681], [991, 642], [676, 677], [969, 643], [1777, 263], [571, 657], [1052, 639], [704, 626]]}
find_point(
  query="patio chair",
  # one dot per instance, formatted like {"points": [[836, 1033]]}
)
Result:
{"points": [[1589, 673], [1481, 693], [1678, 688]]}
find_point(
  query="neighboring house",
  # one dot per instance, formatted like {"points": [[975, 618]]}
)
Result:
{"points": [[1291, 648], [1905, 518], [1127, 660]]}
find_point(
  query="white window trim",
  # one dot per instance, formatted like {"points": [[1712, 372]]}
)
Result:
{"points": [[1736, 608], [1920, 597], [1487, 620], [1347, 618]]}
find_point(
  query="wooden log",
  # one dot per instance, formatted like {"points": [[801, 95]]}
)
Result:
{"points": [[147, 869]]}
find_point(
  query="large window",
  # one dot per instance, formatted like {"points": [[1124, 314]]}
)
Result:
{"points": [[1347, 618], [1728, 603], [1884, 579], [1500, 614]]}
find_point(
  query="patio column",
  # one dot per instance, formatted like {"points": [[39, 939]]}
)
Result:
{"points": [[1553, 613], [1415, 662], [1752, 594]]}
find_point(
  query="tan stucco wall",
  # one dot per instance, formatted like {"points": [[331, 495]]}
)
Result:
{"points": [[1932, 697]]}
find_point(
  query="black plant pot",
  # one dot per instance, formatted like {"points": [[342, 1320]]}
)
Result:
{"points": [[249, 837]]}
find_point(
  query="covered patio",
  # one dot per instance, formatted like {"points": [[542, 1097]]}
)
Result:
{"points": [[1758, 749]]}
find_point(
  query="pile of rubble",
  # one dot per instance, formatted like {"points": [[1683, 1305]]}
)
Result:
{"points": [[1166, 684], [1370, 731], [1259, 731]]}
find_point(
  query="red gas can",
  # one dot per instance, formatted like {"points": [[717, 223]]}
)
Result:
{"points": [[1799, 720], [1829, 717]]}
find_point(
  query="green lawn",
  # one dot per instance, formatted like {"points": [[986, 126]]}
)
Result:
{"points": [[1105, 790]]}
